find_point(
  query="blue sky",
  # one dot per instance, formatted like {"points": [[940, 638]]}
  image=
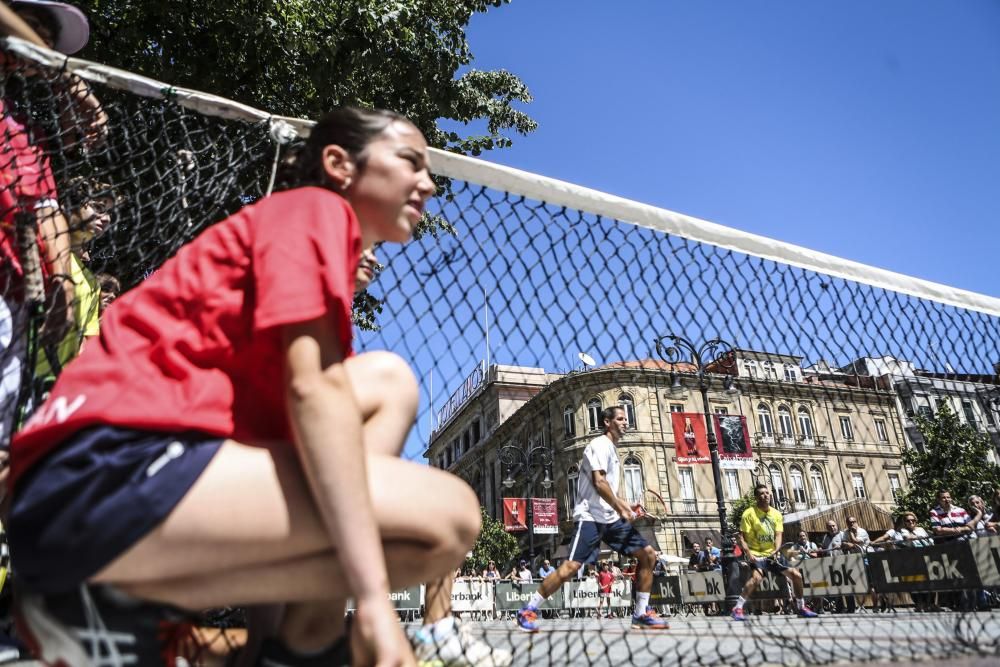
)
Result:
{"points": [[869, 130]]}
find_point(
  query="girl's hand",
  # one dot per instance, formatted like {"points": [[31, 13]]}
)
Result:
{"points": [[377, 638]]}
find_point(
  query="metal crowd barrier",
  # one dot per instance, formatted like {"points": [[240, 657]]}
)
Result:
{"points": [[948, 566]]}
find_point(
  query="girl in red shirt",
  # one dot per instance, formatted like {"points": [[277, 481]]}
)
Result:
{"points": [[221, 446]]}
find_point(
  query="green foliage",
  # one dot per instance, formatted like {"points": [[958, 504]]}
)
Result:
{"points": [[303, 57], [494, 543], [736, 511], [954, 457]]}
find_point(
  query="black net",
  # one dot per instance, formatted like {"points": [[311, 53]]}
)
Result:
{"points": [[522, 320]]}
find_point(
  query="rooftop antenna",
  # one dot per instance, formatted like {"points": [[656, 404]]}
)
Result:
{"points": [[586, 359]]}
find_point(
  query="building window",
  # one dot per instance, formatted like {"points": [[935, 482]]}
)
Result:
{"points": [[777, 483], [858, 482], [626, 403], [633, 480], [764, 421], [925, 411], [719, 410], [785, 421], [687, 486], [880, 431], [791, 373], [798, 485], [894, 486], [846, 430], [805, 424], [594, 414], [770, 373], [677, 407], [970, 415], [466, 441], [477, 433], [818, 487], [750, 368], [572, 477], [569, 422], [732, 484]]}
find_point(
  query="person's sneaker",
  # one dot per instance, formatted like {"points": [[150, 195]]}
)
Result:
{"points": [[457, 648], [101, 625], [806, 612], [650, 621], [527, 619], [738, 614]]}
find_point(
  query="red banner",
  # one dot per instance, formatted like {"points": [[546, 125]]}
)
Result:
{"points": [[690, 438], [545, 516], [734, 442], [515, 514]]}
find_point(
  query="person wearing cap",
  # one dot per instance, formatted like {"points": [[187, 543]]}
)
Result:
{"points": [[521, 573], [62, 27]]}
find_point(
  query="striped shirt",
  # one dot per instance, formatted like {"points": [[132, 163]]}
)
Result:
{"points": [[953, 518]]}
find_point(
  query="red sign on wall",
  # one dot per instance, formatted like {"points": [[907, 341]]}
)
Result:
{"points": [[690, 439], [545, 516], [515, 514]]}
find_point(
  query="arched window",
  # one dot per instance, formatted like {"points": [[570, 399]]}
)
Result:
{"points": [[805, 424], [785, 421], [777, 483], [764, 421], [572, 476], [798, 485], [818, 487], [569, 421], [634, 487], [628, 405], [594, 408]]}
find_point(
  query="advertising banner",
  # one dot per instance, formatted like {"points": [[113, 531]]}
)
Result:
{"points": [[472, 595], [734, 442], [408, 598], [584, 594], [986, 551], [840, 574], [666, 590], [545, 516], [512, 595], [702, 587], [942, 567], [772, 586], [515, 514], [690, 440]]}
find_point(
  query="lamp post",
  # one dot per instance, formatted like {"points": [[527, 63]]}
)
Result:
{"points": [[719, 355], [527, 459]]}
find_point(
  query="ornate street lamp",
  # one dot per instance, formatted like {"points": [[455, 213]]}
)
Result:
{"points": [[518, 459]]}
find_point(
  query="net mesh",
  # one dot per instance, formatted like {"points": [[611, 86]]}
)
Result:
{"points": [[506, 282]]}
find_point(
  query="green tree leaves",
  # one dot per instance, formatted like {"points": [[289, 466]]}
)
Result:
{"points": [[494, 543], [302, 57], [954, 457]]}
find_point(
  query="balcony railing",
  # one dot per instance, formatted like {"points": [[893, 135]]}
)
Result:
{"points": [[766, 439]]}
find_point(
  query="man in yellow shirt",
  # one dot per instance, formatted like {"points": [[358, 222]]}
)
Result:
{"points": [[761, 530]]}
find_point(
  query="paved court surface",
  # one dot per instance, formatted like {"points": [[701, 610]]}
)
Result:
{"points": [[905, 637]]}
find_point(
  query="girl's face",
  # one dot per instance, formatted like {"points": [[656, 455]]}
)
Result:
{"points": [[389, 192], [366, 270]]}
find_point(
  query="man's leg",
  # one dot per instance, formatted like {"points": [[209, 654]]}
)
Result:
{"points": [[527, 618], [794, 577], [748, 588]]}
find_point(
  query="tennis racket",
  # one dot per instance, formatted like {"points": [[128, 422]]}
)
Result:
{"points": [[651, 508], [791, 554]]}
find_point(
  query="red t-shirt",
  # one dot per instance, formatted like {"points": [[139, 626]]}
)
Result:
{"points": [[197, 346], [604, 580], [25, 180]]}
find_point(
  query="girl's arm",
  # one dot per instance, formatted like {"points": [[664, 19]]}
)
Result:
{"points": [[326, 424]]}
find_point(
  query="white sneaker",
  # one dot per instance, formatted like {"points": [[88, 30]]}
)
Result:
{"points": [[458, 649]]}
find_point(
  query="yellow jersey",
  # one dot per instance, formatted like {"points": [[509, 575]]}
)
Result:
{"points": [[759, 529]]}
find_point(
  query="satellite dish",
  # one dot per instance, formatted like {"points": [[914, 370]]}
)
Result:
{"points": [[586, 359]]}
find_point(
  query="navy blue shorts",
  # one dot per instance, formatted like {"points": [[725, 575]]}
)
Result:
{"points": [[775, 565], [621, 536], [94, 497]]}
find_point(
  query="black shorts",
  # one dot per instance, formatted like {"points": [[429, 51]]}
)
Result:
{"points": [[776, 565], [90, 500]]}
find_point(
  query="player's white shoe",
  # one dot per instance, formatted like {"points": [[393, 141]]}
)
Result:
{"points": [[458, 648]]}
